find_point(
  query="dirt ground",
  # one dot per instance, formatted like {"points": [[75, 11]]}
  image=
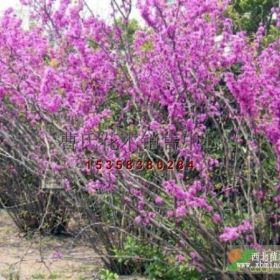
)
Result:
{"points": [[44, 257]]}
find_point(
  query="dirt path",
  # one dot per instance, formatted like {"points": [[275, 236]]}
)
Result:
{"points": [[43, 258]]}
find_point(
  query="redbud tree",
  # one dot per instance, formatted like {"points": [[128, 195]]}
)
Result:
{"points": [[184, 73]]}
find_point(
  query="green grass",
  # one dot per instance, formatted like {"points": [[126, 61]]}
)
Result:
{"points": [[37, 276]]}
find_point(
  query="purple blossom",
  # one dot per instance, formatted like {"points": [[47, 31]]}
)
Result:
{"points": [[277, 200], [138, 220], [66, 184], [233, 233], [180, 258], [57, 255], [216, 218], [159, 200], [229, 234], [181, 212]]}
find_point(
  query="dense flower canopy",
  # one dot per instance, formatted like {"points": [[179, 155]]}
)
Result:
{"points": [[89, 79]]}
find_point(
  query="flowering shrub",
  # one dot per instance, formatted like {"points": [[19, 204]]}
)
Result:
{"points": [[151, 262], [76, 74]]}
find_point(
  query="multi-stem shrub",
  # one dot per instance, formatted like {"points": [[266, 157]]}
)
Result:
{"points": [[205, 99]]}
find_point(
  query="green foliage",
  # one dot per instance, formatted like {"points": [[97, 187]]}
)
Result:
{"points": [[46, 59], [272, 34], [106, 274], [248, 14], [152, 262], [37, 276], [128, 30], [92, 44], [12, 274], [147, 46]]}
